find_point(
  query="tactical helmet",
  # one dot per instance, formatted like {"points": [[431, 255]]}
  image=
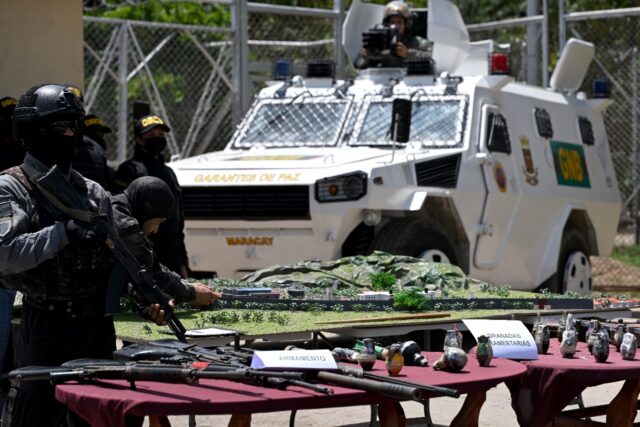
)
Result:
{"points": [[397, 8], [42, 105]]}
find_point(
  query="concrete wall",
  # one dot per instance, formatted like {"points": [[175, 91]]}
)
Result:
{"points": [[40, 41]]}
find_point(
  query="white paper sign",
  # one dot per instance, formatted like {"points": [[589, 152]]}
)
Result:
{"points": [[295, 359], [509, 338]]}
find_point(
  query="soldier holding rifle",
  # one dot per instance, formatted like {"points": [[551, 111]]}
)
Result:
{"points": [[60, 264]]}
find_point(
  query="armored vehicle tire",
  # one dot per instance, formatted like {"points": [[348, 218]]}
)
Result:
{"points": [[415, 237], [574, 268]]}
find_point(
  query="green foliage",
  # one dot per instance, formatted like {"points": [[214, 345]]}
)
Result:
{"points": [[188, 13], [382, 281], [629, 254], [412, 300], [499, 290]]}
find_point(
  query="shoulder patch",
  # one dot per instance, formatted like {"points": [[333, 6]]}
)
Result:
{"points": [[6, 218]]}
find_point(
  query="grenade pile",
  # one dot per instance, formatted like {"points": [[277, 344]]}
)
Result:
{"points": [[597, 336]]}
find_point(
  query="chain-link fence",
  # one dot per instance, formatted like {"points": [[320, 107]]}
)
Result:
{"points": [[201, 79]]}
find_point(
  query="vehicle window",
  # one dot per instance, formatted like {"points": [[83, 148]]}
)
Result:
{"points": [[586, 131], [435, 122], [310, 121], [498, 134], [543, 123]]}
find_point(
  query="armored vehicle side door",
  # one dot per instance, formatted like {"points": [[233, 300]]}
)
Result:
{"points": [[502, 195]]}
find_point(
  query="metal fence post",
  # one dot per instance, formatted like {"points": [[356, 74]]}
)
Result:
{"points": [[545, 44], [338, 7], [562, 26], [634, 140], [123, 93], [532, 45], [239, 20]]}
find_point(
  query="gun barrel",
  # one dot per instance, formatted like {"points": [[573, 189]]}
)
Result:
{"points": [[359, 373], [396, 391]]}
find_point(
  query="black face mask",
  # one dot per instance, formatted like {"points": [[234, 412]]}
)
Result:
{"points": [[155, 146], [54, 148]]}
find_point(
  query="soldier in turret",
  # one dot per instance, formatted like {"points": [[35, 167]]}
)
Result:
{"points": [[397, 15]]}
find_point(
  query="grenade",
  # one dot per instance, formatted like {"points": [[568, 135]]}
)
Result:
{"points": [[568, 344], [562, 325], [628, 346], [367, 355], [618, 336], [453, 338], [452, 360], [594, 327], [395, 361], [412, 354], [536, 322], [600, 348], [542, 339], [484, 351], [345, 355]]}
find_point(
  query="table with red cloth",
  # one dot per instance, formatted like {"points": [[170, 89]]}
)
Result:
{"points": [[552, 382], [113, 403]]}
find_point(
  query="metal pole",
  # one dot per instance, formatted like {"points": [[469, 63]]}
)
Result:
{"points": [[123, 125], [634, 139], [545, 44], [562, 26], [338, 7], [239, 19], [532, 45]]}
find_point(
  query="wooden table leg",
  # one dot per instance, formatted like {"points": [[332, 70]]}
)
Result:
{"points": [[240, 420], [623, 408], [159, 421], [470, 411], [391, 414]]}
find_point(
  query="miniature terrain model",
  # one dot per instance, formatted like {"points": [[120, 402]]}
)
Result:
{"points": [[513, 183]]}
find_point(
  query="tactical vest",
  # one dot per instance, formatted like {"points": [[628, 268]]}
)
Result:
{"points": [[79, 272]]}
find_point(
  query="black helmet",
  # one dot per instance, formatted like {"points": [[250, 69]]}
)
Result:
{"points": [[42, 105]]}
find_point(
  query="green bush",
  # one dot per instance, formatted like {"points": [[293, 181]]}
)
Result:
{"points": [[382, 281], [412, 300]]}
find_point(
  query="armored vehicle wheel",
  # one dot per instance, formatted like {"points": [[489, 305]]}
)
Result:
{"points": [[574, 268], [415, 237]]}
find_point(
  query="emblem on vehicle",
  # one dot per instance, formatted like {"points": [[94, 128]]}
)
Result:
{"points": [[529, 169], [570, 164], [500, 176]]}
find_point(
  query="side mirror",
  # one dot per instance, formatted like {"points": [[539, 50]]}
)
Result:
{"points": [[401, 120]]}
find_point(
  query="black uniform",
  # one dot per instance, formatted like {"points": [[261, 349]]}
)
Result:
{"points": [[63, 284], [60, 265], [168, 243], [91, 161], [147, 198]]}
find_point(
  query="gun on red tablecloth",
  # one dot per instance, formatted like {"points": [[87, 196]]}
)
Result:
{"points": [[88, 370]]}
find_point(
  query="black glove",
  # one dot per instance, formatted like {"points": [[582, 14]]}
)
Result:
{"points": [[80, 232]]}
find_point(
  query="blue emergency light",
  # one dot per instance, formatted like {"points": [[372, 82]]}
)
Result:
{"points": [[600, 88], [281, 70]]}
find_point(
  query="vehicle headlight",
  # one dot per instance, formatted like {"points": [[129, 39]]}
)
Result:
{"points": [[341, 188]]}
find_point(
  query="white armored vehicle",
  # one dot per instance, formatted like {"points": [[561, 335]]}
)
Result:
{"points": [[514, 183]]}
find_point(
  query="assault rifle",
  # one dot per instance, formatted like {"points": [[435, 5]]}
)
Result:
{"points": [[56, 188], [88, 370]]}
